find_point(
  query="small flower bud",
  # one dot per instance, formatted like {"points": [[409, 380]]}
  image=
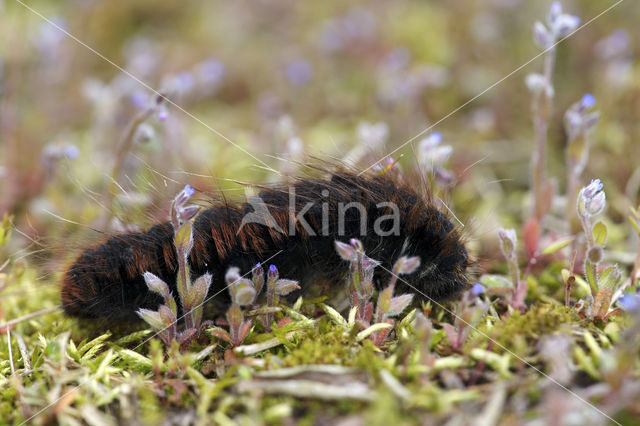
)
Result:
{"points": [[595, 254], [156, 284], [257, 276], [406, 265], [346, 251], [592, 198], [273, 272], [244, 293], [541, 36], [356, 244], [536, 83], [477, 289], [564, 25], [431, 141], [587, 101], [597, 204], [437, 156], [593, 188], [373, 136], [144, 133], [183, 196], [554, 11], [187, 213], [508, 242], [232, 275], [163, 114]]}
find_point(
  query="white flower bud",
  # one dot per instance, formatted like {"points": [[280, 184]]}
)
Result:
{"points": [[541, 36], [564, 25]]}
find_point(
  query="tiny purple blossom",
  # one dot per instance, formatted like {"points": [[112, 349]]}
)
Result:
{"points": [[211, 71], [588, 101], [184, 81], [565, 24], [477, 289], [183, 196], [555, 10], [593, 188], [593, 198], [188, 213], [188, 190], [162, 115], [273, 272], [299, 72], [71, 151], [432, 140], [139, 99], [356, 244], [630, 302]]}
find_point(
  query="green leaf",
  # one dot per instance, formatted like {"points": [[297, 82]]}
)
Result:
{"points": [[490, 280], [333, 314], [152, 318], [557, 245], [369, 331], [635, 224], [234, 316], [140, 362], [599, 233], [198, 291], [384, 300], [399, 304], [284, 287], [184, 238]]}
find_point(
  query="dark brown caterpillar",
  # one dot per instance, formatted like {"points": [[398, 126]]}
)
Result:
{"points": [[106, 280]]}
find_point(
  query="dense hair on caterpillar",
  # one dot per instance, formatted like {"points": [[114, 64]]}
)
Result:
{"points": [[106, 280]]}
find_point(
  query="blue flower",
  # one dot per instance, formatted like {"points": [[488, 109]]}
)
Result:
{"points": [[630, 302], [184, 82], [211, 71], [299, 72], [139, 99], [588, 101], [477, 289]]}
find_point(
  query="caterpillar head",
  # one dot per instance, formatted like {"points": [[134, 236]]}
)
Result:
{"points": [[444, 260]]}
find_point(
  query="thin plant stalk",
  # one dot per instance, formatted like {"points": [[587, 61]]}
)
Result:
{"points": [[541, 107]]}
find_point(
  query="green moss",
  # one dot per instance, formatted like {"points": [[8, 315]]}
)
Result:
{"points": [[328, 344], [519, 332]]}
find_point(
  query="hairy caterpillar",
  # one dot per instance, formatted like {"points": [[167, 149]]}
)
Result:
{"points": [[297, 226]]}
